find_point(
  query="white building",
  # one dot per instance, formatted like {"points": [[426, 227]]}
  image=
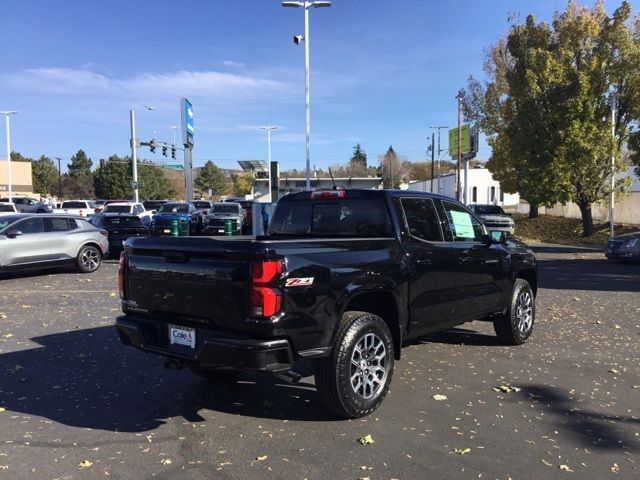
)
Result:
{"points": [[481, 188]]}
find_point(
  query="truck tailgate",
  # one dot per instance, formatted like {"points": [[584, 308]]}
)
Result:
{"points": [[198, 279]]}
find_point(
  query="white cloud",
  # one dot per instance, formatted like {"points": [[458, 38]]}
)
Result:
{"points": [[216, 86], [231, 63]]}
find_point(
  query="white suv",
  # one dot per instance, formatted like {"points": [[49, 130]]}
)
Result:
{"points": [[83, 208], [131, 208]]}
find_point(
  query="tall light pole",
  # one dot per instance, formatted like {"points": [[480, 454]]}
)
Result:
{"points": [[59, 178], [297, 39], [613, 167], [134, 153], [459, 163], [173, 129], [7, 114], [269, 129]]}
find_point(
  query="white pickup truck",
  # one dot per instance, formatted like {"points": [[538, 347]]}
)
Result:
{"points": [[82, 208]]}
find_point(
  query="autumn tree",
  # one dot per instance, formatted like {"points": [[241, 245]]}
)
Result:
{"points": [[394, 170], [546, 106]]}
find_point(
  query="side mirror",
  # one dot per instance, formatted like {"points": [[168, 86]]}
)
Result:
{"points": [[498, 236], [14, 234]]}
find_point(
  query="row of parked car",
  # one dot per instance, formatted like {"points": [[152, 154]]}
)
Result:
{"points": [[83, 232]]}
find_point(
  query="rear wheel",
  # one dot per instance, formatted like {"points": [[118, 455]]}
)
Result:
{"points": [[89, 259], [215, 375], [515, 326], [354, 380]]}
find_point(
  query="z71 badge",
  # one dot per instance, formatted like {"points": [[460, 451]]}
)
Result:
{"points": [[299, 282]]}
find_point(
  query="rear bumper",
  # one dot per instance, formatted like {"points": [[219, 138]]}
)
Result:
{"points": [[213, 348]]}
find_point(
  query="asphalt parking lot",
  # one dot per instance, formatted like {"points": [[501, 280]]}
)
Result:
{"points": [[76, 404]]}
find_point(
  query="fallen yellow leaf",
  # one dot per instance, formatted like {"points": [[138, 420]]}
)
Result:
{"points": [[437, 397], [565, 468], [461, 451], [85, 464], [366, 440], [261, 457]]}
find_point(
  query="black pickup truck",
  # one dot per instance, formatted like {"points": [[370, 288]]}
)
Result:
{"points": [[343, 277]]}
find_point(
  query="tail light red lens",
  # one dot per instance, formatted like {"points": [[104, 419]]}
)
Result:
{"points": [[122, 266], [328, 194], [265, 301]]}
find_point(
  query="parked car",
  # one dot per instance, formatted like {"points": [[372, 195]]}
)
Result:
{"points": [[184, 213], [219, 214], [494, 218], [131, 208], [82, 208], [7, 208], [203, 207], [153, 204], [344, 277], [29, 205], [624, 247], [122, 226], [32, 241]]}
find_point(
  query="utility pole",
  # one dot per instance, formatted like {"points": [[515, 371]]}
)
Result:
{"points": [[269, 129], [59, 177], [7, 114], [613, 166], [439, 127], [458, 97], [433, 158]]}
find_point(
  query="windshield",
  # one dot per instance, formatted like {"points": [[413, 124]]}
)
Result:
{"points": [[174, 208], [230, 208], [8, 220], [202, 204], [117, 209], [120, 221], [488, 210], [365, 217]]}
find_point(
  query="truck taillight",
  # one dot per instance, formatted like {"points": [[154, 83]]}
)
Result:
{"points": [[265, 301], [328, 194], [122, 266]]}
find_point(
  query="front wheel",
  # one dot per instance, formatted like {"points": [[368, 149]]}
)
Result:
{"points": [[354, 380], [515, 326], [89, 259]]}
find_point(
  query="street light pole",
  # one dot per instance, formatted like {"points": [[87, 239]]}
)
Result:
{"points": [[7, 114], [439, 127], [458, 188], [613, 168], [59, 178], [307, 97]]}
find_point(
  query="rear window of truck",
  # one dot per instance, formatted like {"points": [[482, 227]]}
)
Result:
{"points": [[360, 217]]}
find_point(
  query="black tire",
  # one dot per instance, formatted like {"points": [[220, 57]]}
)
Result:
{"points": [[215, 375], [334, 373], [515, 326], [89, 259]]}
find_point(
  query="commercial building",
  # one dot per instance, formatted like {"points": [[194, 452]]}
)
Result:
{"points": [[481, 187], [21, 182]]}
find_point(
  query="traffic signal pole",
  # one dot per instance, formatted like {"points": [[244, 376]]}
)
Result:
{"points": [[134, 159]]}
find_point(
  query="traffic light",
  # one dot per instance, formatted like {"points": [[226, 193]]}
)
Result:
{"points": [[153, 145], [173, 152], [164, 150]]}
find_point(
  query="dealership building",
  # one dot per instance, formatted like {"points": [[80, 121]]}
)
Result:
{"points": [[21, 183]]}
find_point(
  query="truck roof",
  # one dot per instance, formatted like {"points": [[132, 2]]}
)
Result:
{"points": [[364, 193]]}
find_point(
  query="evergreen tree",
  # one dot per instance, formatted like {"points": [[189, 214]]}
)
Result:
{"points": [[358, 162], [44, 175], [211, 177], [80, 164]]}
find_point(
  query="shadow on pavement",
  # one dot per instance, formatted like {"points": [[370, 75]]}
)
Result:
{"points": [[563, 249], [459, 336], [86, 378], [593, 429], [588, 274]]}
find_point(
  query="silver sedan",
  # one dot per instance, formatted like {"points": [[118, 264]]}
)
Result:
{"points": [[29, 241]]}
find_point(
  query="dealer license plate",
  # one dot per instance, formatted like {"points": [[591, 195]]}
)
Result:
{"points": [[182, 336]]}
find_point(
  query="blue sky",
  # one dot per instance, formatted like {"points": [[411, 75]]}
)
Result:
{"points": [[382, 72]]}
